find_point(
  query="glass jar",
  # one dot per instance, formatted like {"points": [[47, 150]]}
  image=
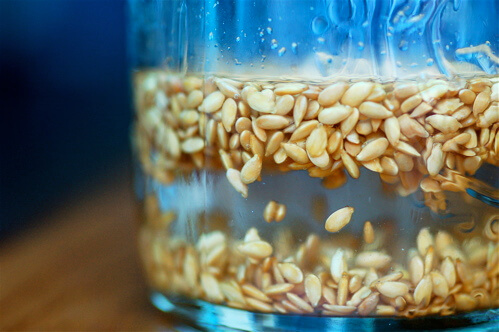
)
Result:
{"points": [[318, 164]]}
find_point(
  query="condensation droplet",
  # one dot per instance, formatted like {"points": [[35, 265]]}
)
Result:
{"points": [[238, 39], [340, 11], [274, 44], [324, 63], [269, 30], [430, 62], [282, 51], [360, 46], [294, 48], [403, 45], [321, 40], [319, 25], [210, 36]]}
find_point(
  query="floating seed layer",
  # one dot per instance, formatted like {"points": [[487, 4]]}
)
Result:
{"points": [[431, 136]]}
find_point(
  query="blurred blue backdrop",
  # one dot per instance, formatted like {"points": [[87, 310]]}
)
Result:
{"points": [[64, 101]]}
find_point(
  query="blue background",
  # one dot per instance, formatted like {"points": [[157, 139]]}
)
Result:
{"points": [[64, 102]]}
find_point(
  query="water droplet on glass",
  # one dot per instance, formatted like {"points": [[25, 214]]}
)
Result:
{"points": [[430, 62], [274, 44], [210, 36], [269, 30], [269, 19], [339, 11], [238, 39], [321, 40], [319, 25], [403, 45], [324, 63], [294, 48], [282, 51], [263, 58], [414, 64], [361, 46], [399, 64]]}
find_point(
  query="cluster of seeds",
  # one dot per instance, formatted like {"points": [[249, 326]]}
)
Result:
{"points": [[430, 135], [274, 211], [442, 275]]}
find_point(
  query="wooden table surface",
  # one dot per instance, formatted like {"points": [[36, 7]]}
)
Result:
{"points": [[78, 269]]}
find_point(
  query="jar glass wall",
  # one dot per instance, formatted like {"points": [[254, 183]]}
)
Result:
{"points": [[300, 162]]}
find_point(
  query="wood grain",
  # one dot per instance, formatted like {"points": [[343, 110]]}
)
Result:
{"points": [[78, 269]]}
